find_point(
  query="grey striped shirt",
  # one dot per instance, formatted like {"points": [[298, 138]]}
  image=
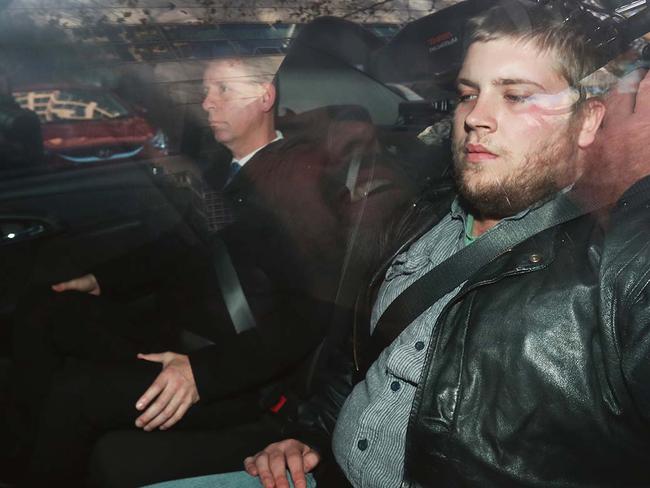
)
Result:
{"points": [[369, 439]]}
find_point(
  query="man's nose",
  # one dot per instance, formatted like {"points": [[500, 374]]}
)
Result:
{"points": [[206, 104], [210, 103], [482, 115]]}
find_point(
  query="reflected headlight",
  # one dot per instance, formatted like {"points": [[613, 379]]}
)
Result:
{"points": [[159, 141]]}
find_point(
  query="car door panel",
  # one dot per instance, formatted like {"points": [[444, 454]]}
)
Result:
{"points": [[59, 225]]}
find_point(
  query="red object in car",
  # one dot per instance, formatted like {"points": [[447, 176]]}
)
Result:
{"points": [[85, 125]]}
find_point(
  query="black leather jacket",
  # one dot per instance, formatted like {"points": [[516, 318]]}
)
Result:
{"points": [[538, 372]]}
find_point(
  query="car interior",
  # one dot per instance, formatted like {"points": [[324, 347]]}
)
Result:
{"points": [[58, 220], [110, 180]]}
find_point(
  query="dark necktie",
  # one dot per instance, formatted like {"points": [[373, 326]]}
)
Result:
{"points": [[234, 169]]}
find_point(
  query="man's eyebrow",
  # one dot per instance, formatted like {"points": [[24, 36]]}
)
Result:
{"points": [[501, 82], [466, 82], [517, 81]]}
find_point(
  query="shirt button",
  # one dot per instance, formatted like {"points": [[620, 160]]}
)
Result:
{"points": [[395, 385], [362, 444], [419, 345]]}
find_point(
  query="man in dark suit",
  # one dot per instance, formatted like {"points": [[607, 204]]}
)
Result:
{"points": [[239, 99], [86, 368]]}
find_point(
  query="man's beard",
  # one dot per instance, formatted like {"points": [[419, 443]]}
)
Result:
{"points": [[541, 174]]}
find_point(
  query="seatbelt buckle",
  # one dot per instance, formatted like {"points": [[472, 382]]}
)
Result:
{"points": [[279, 404]]}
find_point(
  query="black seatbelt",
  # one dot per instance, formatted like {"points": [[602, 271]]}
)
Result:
{"points": [[457, 269], [231, 289]]}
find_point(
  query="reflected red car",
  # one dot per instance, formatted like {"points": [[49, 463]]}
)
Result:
{"points": [[89, 126]]}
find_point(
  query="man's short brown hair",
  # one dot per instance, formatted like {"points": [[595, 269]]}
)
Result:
{"points": [[545, 28]]}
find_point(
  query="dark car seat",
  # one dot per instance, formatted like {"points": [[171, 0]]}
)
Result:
{"points": [[327, 64]]}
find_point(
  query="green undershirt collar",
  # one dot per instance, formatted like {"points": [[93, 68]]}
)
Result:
{"points": [[469, 226]]}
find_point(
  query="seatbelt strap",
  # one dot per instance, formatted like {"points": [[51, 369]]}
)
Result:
{"points": [[458, 268], [231, 289]]}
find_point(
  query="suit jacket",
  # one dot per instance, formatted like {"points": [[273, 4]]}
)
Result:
{"points": [[302, 239]]}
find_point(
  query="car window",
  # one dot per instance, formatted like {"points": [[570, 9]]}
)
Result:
{"points": [[113, 86], [107, 142], [121, 157]]}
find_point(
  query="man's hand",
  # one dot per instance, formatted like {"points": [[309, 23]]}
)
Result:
{"points": [[172, 393], [85, 284], [272, 463], [619, 156]]}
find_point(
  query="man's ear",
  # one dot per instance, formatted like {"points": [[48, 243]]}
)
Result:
{"points": [[593, 111], [268, 97]]}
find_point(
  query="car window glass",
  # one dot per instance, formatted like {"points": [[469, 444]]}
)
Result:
{"points": [[106, 88], [113, 92]]}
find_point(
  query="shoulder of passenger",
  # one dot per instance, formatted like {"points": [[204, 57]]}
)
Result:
{"points": [[626, 251], [300, 140]]}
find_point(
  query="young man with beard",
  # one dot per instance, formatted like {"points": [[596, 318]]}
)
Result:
{"points": [[536, 370]]}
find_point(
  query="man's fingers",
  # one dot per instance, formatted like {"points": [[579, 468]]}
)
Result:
{"points": [[167, 405], [76, 284], [174, 392], [152, 392], [310, 461], [86, 284], [271, 464], [263, 470], [180, 410], [146, 419], [296, 468], [59, 287], [278, 465], [249, 466], [154, 358]]}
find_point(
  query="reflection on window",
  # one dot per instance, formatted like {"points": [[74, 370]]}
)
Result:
{"points": [[141, 34], [53, 105], [384, 30], [106, 54], [269, 46], [251, 31], [177, 42], [204, 50], [191, 32], [151, 52]]}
